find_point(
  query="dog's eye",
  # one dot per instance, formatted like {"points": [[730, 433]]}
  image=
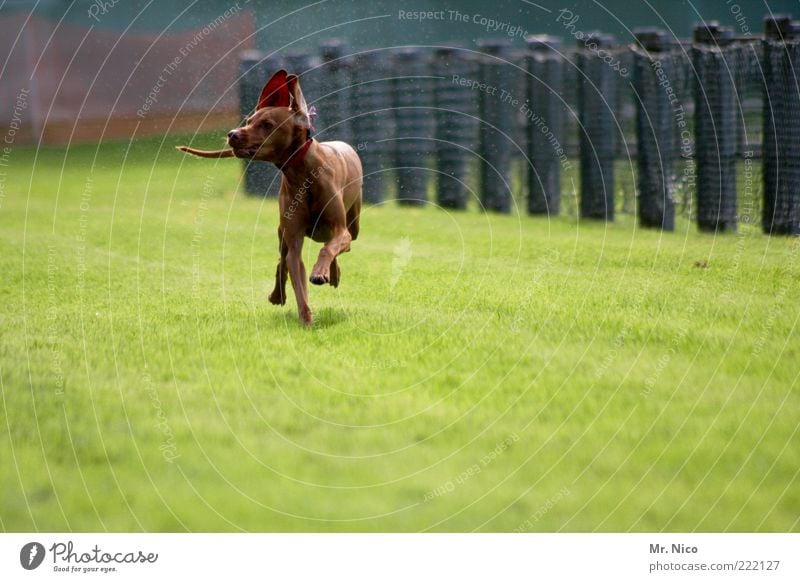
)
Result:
{"points": [[266, 125]]}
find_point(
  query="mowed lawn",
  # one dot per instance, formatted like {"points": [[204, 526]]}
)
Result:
{"points": [[473, 372]]}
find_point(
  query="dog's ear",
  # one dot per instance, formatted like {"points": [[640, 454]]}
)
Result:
{"points": [[275, 93], [298, 103]]}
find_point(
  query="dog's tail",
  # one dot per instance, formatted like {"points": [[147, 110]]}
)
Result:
{"points": [[207, 154]]}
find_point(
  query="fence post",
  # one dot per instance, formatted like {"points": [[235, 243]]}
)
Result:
{"points": [[334, 94], [597, 99], [715, 127], [260, 178], [456, 123], [414, 125], [305, 65], [497, 115], [781, 157], [653, 75], [373, 122], [544, 117]]}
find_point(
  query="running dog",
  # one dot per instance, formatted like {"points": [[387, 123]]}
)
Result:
{"points": [[320, 193]]}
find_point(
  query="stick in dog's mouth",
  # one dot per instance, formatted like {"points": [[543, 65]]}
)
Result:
{"points": [[227, 153]]}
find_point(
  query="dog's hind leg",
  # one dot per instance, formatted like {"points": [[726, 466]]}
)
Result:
{"points": [[353, 216], [338, 244], [336, 273], [278, 295]]}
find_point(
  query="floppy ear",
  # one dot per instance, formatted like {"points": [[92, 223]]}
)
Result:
{"points": [[275, 93]]}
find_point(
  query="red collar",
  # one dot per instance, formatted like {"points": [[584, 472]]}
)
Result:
{"points": [[298, 156]]}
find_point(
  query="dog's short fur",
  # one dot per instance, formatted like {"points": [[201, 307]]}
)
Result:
{"points": [[320, 194]]}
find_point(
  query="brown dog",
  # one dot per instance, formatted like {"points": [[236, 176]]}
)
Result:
{"points": [[320, 194]]}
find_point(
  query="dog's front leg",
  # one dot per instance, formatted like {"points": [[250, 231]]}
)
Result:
{"points": [[297, 272]]}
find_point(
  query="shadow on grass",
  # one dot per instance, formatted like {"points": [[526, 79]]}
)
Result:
{"points": [[326, 317], [329, 317]]}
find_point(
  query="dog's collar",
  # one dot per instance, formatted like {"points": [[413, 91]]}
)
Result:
{"points": [[298, 156]]}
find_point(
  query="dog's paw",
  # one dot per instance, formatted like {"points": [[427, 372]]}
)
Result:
{"points": [[318, 279], [277, 298], [306, 318]]}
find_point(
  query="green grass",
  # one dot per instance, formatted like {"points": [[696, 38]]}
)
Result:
{"points": [[148, 385]]}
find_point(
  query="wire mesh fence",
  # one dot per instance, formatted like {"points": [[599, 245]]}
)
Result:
{"points": [[333, 88], [597, 100], [545, 115], [715, 97], [456, 124], [412, 101], [372, 121], [781, 59], [653, 72], [496, 126], [659, 128]]}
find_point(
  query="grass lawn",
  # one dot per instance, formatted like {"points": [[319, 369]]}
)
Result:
{"points": [[472, 373]]}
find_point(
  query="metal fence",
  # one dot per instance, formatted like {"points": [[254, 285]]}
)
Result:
{"points": [[659, 127]]}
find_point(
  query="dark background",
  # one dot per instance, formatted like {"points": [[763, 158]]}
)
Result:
{"points": [[302, 24]]}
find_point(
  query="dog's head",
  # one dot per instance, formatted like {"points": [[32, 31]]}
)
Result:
{"points": [[280, 124]]}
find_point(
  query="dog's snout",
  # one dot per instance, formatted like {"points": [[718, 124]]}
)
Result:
{"points": [[234, 137]]}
